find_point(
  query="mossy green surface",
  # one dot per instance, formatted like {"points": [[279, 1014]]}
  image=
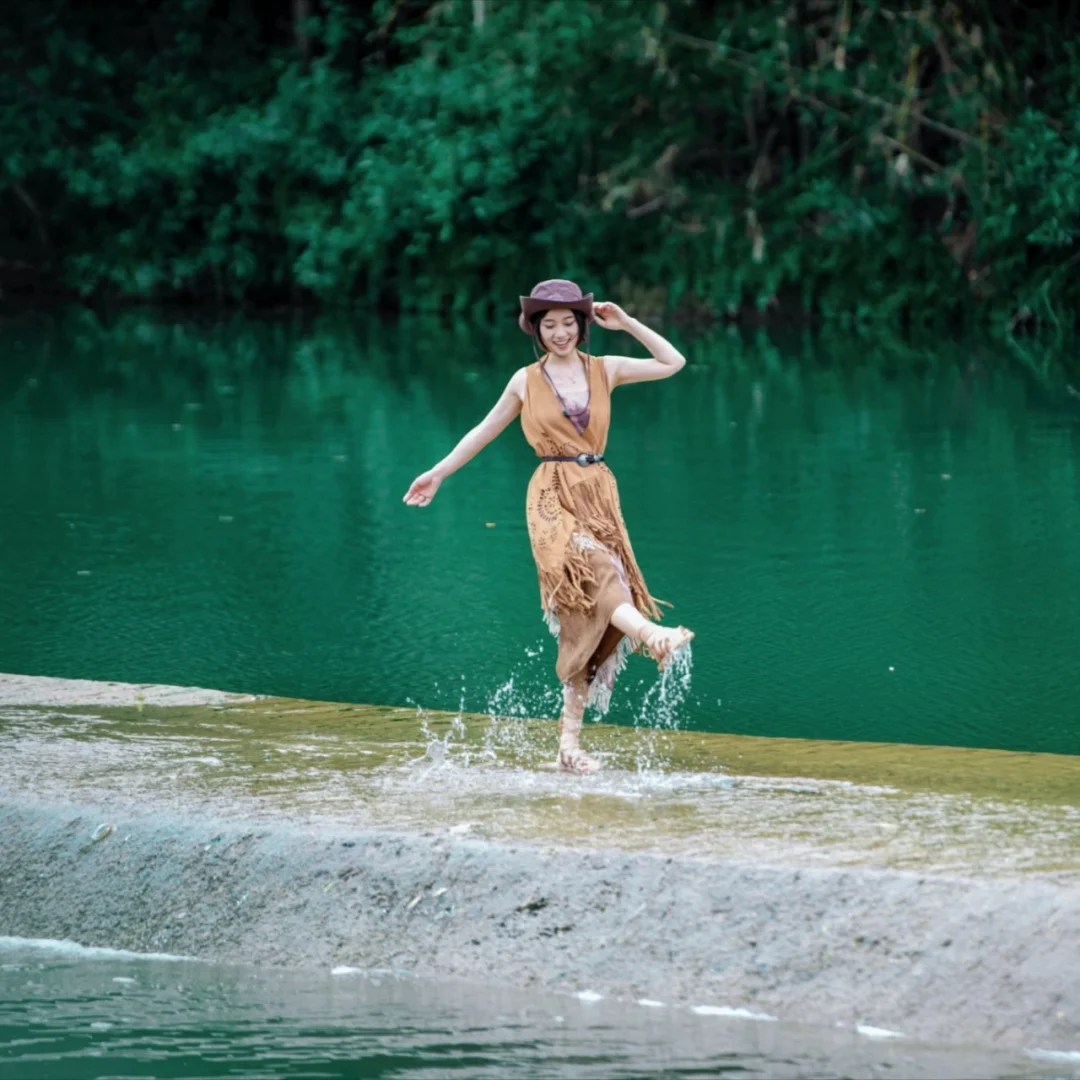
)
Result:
{"points": [[797, 802]]}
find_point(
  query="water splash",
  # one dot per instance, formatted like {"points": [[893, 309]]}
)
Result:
{"points": [[668, 694], [511, 739], [660, 711], [517, 700], [520, 699], [438, 748]]}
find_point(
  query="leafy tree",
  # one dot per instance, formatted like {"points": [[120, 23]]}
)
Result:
{"points": [[910, 161]]}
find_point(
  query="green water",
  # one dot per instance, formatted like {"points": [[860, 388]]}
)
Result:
{"points": [[872, 542], [70, 1014]]}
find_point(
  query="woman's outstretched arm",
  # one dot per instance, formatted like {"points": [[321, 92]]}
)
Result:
{"points": [[422, 489], [665, 359]]}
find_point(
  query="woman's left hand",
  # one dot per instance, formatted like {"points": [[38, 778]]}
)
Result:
{"points": [[610, 316]]}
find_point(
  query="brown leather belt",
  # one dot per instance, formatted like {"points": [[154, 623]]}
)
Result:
{"points": [[580, 459]]}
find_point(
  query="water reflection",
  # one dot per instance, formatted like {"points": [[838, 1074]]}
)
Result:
{"points": [[872, 539]]}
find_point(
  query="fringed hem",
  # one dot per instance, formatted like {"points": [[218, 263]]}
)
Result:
{"points": [[598, 512], [599, 519], [594, 522], [604, 681], [566, 588]]}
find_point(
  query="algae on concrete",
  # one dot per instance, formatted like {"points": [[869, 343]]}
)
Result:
{"points": [[797, 802]]}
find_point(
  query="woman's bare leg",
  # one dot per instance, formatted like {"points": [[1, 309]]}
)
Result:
{"points": [[661, 642], [571, 757]]}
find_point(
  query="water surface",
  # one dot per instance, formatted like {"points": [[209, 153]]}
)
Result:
{"points": [[872, 541], [67, 1012]]}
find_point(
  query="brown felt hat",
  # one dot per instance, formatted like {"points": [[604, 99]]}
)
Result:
{"points": [[554, 293]]}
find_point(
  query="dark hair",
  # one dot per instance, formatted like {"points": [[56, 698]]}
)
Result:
{"points": [[582, 325]]}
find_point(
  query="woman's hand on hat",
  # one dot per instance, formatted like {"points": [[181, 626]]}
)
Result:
{"points": [[610, 316], [422, 489]]}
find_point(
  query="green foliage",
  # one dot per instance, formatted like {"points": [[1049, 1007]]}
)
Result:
{"points": [[862, 160]]}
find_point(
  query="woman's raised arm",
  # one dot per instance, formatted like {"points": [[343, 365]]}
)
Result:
{"points": [[422, 489], [665, 359]]}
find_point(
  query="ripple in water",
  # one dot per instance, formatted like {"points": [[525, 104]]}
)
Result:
{"points": [[91, 1016]]}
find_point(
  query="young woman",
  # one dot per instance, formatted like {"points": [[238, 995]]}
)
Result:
{"points": [[591, 590]]}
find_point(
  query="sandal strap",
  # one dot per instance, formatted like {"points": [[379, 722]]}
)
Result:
{"points": [[645, 636], [574, 754]]}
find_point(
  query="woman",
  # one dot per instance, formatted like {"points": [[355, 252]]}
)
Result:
{"points": [[591, 590]]}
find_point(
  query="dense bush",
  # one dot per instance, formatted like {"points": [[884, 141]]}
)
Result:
{"points": [[909, 161]]}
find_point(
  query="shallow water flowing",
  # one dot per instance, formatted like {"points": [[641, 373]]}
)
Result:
{"points": [[872, 541], [791, 802]]}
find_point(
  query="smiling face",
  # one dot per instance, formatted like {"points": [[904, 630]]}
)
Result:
{"points": [[559, 332]]}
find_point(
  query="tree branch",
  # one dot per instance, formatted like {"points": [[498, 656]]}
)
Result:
{"points": [[859, 95], [39, 221]]}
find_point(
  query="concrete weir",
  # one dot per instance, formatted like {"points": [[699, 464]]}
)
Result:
{"points": [[930, 892]]}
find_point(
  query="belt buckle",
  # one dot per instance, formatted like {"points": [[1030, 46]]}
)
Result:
{"points": [[583, 459]]}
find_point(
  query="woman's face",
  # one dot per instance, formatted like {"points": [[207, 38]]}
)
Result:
{"points": [[559, 332]]}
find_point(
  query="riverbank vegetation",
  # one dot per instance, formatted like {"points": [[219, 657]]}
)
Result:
{"points": [[911, 162]]}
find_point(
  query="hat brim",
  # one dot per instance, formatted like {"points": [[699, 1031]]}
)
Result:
{"points": [[530, 305]]}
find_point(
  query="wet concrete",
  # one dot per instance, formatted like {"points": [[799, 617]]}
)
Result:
{"points": [[916, 889], [40, 690]]}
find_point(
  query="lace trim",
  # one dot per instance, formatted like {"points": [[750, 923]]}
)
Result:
{"points": [[584, 542]]}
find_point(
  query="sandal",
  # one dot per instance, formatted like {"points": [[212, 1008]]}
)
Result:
{"points": [[662, 642], [574, 759]]}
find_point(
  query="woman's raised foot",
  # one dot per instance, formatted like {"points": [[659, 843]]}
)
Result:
{"points": [[663, 642]]}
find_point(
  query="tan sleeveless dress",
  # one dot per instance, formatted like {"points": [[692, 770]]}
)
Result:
{"points": [[579, 540]]}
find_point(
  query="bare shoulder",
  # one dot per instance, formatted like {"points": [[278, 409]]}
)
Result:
{"points": [[613, 368], [516, 385]]}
